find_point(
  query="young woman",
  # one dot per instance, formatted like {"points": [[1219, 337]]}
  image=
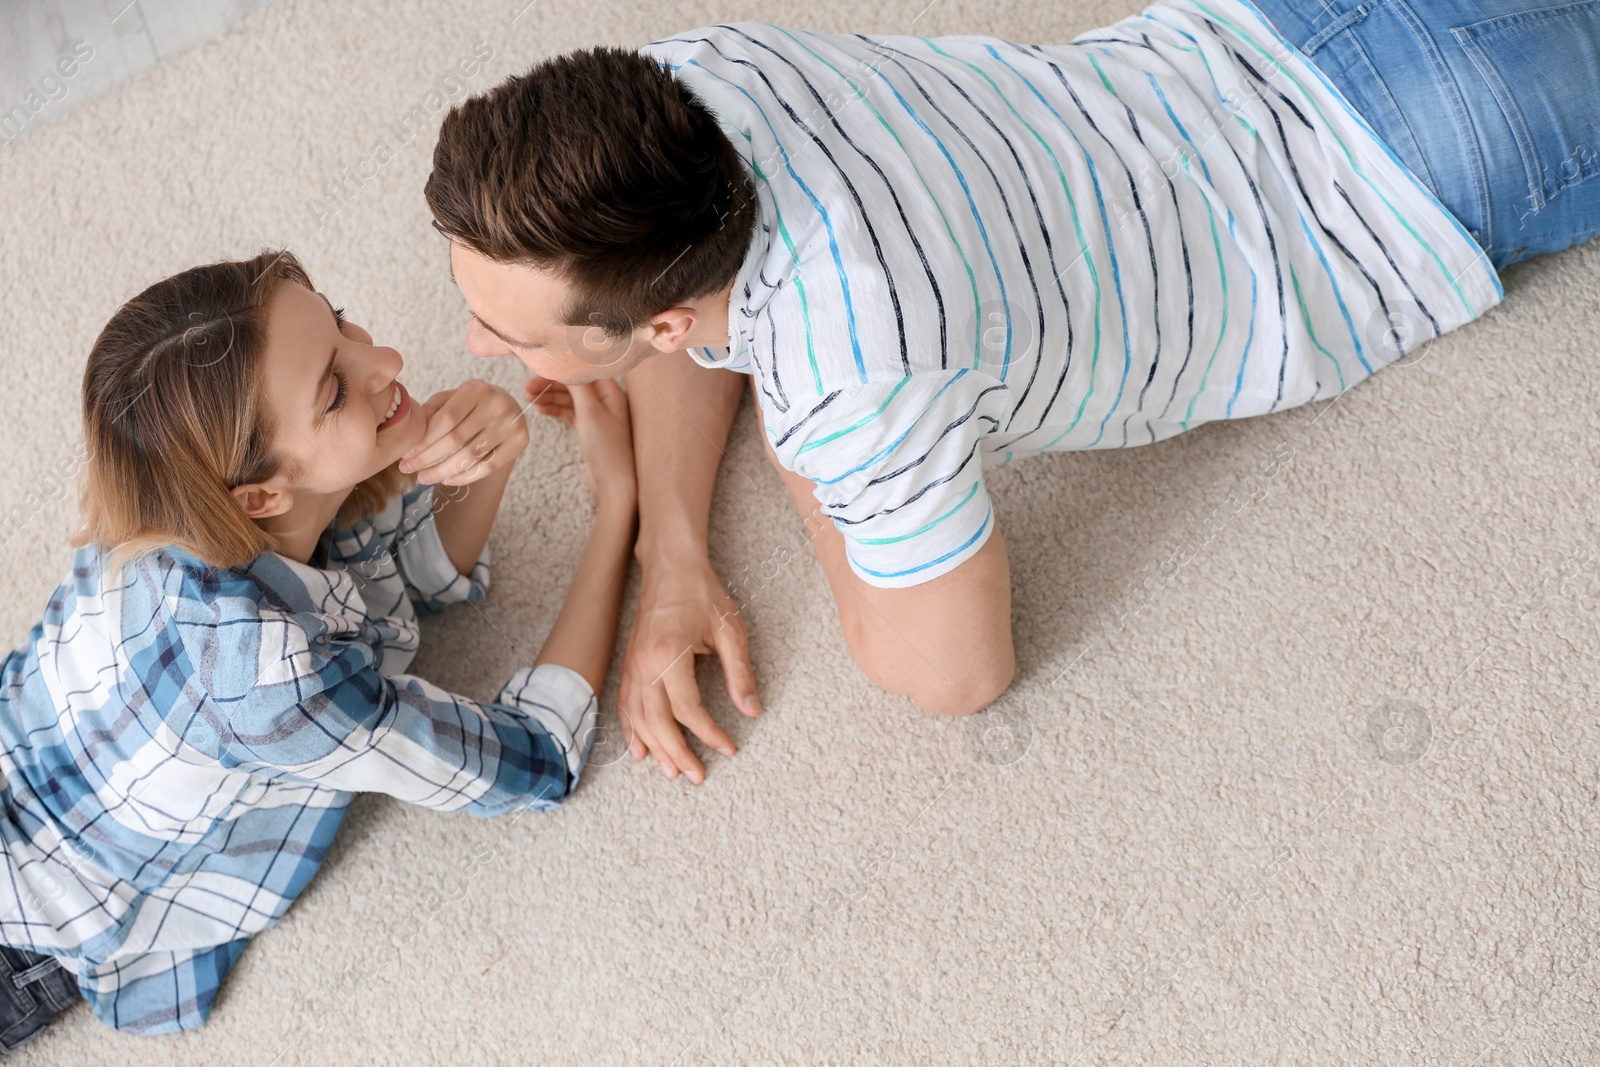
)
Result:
{"points": [[225, 663]]}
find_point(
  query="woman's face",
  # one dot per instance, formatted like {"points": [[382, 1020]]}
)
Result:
{"points": [[340, 415]]}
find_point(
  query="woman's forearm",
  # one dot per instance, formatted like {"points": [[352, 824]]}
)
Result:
{"points": [[465, 515], [585, 631]]}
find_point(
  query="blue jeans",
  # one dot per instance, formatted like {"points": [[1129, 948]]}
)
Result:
{"points": [[33, 991], [1493, 104]]}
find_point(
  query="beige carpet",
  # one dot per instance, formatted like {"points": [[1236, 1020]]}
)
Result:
{"points": [[1179, 839]]}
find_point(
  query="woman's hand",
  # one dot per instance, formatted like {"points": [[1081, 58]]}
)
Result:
{"points": [[599, 410], [473, 430]]}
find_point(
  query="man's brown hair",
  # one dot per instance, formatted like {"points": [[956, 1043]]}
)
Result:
{"points": [[600, 166]]}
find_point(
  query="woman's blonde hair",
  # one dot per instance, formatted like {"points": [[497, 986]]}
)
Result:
{"points": [[173, 418]]}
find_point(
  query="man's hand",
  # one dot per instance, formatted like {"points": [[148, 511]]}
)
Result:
{"points": [[681, 414], [605, 434], [683, 611]]}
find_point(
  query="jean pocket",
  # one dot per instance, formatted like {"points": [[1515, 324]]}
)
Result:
{"points": [[1543, 68], [1385, 63]]}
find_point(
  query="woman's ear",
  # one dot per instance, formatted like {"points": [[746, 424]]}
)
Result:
{"points": [[262, 500]]}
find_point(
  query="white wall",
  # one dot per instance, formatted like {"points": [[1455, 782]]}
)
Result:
{"points": [[55, 54]]}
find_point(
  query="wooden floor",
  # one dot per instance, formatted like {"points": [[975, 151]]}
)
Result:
{"points": [[55, 54]]}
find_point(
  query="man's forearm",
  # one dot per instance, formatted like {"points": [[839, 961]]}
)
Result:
{"points": [[464, 514], [681, 415]]}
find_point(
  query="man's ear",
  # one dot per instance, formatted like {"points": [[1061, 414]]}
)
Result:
{"points": [[262, 500], [670, 327]]}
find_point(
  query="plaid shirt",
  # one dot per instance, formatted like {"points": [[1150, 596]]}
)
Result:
{"points": [[180, 744]]}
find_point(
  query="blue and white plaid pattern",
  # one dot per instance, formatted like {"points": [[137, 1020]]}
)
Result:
{"points": [[180, 744]]}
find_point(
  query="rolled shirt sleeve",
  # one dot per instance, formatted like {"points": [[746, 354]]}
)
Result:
{"points": [[298, 694], [897, 467], [403, 540], [410, 739]]}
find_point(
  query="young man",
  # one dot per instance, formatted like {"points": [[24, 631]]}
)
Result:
{"points": [[935, 256]]}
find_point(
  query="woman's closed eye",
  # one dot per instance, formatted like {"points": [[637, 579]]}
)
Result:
{"points": [[341, 385], [339, 392]]}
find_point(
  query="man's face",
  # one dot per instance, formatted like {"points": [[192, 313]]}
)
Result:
{"points": [[515, 312]]}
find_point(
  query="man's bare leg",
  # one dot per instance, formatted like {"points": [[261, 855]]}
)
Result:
{"points": [[954, 664]]}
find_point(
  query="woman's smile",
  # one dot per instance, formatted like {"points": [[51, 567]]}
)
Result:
{"points": [[399, 408]]}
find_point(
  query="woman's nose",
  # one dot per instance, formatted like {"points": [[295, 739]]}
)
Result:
{"points": [[386, 367]]}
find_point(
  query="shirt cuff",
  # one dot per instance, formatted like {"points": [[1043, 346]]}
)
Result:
{"points": [[561, 700]]}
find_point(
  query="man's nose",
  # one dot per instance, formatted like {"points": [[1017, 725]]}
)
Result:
{"points": [[482, 343]]}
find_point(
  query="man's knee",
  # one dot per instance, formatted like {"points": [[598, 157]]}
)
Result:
{"points": [[966, 694], [944, 690]]}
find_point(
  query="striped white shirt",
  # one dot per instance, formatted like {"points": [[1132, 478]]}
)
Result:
{"points": [[971, 250]]}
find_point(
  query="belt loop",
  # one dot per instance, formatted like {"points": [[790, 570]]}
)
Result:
{"points": [[1355, 14], [34, 973]]}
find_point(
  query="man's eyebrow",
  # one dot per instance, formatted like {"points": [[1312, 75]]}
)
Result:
{"points": [[503, 337], [486, 326]]}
